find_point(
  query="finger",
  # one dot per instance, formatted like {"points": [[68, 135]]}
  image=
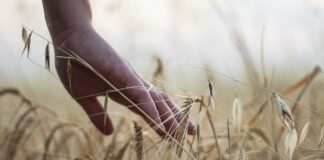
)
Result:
{"points": [[176, 111], [166, 115], [139, 98], [97, 114]]}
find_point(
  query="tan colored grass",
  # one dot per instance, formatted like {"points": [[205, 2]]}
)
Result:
{"points": [[139, 146], [258, 137]]}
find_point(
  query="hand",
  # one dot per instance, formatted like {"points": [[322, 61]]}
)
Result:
{"points": [[69, 23], [80, 81]]}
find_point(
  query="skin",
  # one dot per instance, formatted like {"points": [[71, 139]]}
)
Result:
{"points": [[69, 23]]}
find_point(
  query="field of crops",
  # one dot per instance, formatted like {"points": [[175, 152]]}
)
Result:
{"points": [[255, 106]]}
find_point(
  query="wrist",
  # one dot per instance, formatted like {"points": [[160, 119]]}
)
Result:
{"points": [[63, 16], [60, 34]]}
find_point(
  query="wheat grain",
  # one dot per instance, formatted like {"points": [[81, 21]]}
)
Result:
{"points": [[237, 114], [47, 57], [303, 133], [284, 112], [291, 142]]}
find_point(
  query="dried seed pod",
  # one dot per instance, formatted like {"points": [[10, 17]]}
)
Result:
{"points": [[321, 138], [211, 95], [24, 35], [237, 114], [303, 133], [47, 57], [284, 112], [27, 41], [291, 142]]}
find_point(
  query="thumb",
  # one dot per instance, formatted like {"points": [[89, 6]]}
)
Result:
{"points": [[97, 114]]}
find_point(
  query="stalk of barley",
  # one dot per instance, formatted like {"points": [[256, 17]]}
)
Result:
{"points": [[139, 147]]}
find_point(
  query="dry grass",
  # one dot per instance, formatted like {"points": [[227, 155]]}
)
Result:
{"points": [[262, 125], [238, 141]]}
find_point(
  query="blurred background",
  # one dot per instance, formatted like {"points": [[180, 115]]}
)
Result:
{"points": [[247, 48], [187, 35]]}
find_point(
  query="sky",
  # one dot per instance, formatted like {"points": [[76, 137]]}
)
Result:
{"points": [[184, 33]]}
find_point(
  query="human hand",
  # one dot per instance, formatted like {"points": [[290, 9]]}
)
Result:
{"points": [[85, 85], [94, 69]]}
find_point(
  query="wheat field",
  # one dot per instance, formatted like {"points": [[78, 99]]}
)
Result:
{"points": [[268, 113]]}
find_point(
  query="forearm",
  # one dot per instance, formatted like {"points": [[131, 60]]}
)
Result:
{"points": [[65, 15]]}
